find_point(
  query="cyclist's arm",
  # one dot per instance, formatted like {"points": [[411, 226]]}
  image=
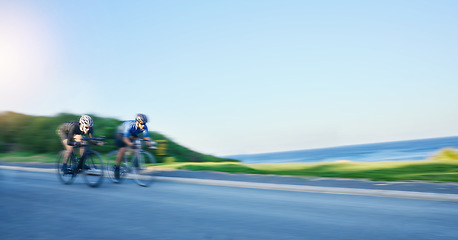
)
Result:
{"points": [[90, 134], [150, 143], [146, 132], [127, 141], [147, 137], [148, 140], [127, 133]]}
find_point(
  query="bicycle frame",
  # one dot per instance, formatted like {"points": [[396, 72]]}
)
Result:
{"points": [[90, 164], [133, 165]]}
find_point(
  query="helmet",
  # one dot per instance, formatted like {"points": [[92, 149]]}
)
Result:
{"points": [[86, 120], [141, 118]]}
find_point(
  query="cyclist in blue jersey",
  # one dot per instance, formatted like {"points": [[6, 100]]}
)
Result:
{"points": [[126, 133]]}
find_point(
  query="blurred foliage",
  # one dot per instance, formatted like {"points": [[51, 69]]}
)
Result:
{"points": [[446, 154], [38, 134]]}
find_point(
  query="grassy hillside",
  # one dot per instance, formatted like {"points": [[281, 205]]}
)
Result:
{"points": [[25, 134]]}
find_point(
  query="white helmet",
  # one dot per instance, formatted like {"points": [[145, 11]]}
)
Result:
{"points": [[86, 120]]}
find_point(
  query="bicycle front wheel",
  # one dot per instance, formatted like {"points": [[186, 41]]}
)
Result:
{"points": [[66, 176], [144, 168], [93, 169]]}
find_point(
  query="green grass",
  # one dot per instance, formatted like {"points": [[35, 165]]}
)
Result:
{"points": [[427, 170], [28, 157]]}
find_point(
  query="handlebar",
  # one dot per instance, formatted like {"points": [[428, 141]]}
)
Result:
{"points": [[138, 141], [88, 140], [93, 138], [141, 139]]}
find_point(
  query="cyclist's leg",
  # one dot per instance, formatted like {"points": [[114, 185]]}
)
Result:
{"points": [[81, 163], [64, 138], [122, 147], [66, 174], [68, 151], [119, 157], [82, 154], [82, 150], [78, 138]]}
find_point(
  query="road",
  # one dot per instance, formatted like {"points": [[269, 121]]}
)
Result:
{"points": [[35, 205]]}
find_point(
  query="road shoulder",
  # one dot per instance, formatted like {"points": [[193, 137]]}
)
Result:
{"points": [[419, 190]]}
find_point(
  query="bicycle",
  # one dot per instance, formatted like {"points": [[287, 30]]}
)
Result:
{"points": [[90, 165], [140, 166]]}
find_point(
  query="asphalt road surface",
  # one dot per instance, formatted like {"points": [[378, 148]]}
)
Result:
{"points": [[35, 205]]}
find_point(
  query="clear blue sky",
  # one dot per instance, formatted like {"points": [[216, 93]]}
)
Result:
{"points": [[238, 77]]}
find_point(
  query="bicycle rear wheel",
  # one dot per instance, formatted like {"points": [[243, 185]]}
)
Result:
{"points": [[69, 176], [93, 169], [143, 165], [111, 163]]}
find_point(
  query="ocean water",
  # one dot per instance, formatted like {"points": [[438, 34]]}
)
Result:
{"points": [[421, 149]]}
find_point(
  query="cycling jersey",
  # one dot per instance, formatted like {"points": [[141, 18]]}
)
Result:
{"points": [[129, 128], [68, 131]]}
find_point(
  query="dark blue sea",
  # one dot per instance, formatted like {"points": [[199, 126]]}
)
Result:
{"points": [[421, 149]]}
